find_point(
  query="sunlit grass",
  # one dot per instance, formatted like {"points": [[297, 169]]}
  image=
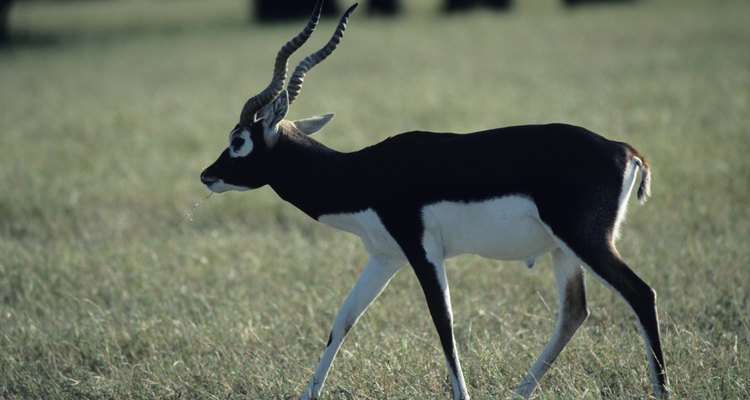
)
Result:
{"points": [[107, 290]]}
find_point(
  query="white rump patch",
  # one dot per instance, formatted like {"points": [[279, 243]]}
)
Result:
{"points": [[628, 181]]}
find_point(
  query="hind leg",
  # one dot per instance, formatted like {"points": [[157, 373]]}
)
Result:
{"points": [[607, 265], [571, 293]]}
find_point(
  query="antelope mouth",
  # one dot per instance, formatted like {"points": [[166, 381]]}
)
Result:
{"points": [[218, 185]]}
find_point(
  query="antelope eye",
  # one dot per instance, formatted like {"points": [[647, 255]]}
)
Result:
{"points": [[237, 143]]}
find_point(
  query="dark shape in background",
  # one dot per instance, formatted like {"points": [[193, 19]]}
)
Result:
{"points": [[572, 3], [462, 5], [281, 10], [4, 14], [383, 7]]}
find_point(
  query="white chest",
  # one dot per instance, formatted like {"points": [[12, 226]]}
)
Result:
{"points": [[368, 226]]}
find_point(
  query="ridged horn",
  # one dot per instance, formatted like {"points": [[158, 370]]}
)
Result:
{"points": [[255, 103], [295, 82]]}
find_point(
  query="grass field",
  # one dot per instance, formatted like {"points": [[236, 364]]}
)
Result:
{"points": [[110, 110]]}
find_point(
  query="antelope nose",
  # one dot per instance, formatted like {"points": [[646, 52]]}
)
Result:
{"points": [[208, 179]]}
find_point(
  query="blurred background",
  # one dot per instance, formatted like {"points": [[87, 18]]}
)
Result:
{"points": [[119, 278], [282, 10]]}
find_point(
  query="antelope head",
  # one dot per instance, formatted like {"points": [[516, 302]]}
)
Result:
{"points": [[242, 164]]}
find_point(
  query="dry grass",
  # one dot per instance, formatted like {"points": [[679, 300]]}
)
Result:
{"points": [[104, 293]]}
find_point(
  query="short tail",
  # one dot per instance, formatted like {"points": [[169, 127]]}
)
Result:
{"points": [[644, 189]]}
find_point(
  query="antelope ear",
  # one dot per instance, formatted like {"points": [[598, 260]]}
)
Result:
{"points": [[308, 126], [270, 116]]}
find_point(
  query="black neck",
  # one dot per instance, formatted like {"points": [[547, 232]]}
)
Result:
{"points": [[311, 176]]}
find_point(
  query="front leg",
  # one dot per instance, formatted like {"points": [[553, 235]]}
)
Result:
{"points": [[370, 284], [431, 274]]}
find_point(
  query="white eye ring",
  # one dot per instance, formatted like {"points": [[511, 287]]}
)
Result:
{"points": [[240, 143]]}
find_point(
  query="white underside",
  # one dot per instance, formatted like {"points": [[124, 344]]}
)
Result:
{"points": [[368, 226], [506, 228]]}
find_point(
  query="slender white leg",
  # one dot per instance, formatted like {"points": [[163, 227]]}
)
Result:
{"points": [[370, 284], [573, 311]]}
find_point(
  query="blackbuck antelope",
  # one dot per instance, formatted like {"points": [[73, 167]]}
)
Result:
{"points": [[512, 193]]}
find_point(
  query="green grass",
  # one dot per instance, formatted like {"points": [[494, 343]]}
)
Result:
{"points": [[109, 111]]}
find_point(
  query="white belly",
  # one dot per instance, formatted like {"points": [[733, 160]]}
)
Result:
{"points": [[507, 228]]}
